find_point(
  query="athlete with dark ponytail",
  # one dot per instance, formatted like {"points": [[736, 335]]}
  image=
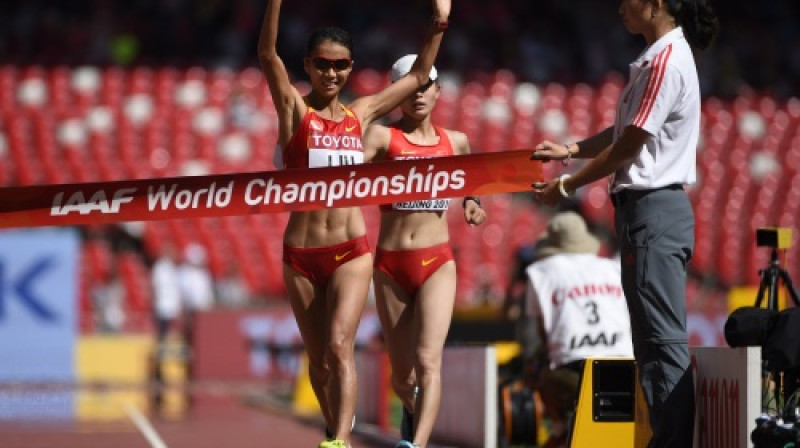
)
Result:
{"points": [[650, 153]]}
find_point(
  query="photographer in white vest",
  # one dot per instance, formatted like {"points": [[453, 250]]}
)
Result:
{"points": [[575, 300]]}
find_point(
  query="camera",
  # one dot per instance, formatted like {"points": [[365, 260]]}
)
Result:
{"points": [[775, 237], [773, 433]]}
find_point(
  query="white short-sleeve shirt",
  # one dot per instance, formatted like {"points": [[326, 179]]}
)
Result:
{"points": [[197, 287], [166, 289], [663, 98], [578, 299]]}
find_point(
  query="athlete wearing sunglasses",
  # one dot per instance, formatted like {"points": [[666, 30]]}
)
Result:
{"points": [[338, 65], [327, 262]]}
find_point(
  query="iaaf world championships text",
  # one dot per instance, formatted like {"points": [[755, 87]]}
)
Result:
{"points": [[262, 191]]}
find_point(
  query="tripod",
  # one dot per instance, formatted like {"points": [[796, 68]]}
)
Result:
{"points": [[789, 381], [769, 283]]}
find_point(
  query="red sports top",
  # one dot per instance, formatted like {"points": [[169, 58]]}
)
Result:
{"points": [[320, 142], [402, 149]]}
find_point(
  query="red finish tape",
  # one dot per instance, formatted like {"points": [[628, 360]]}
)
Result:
{"points": [[268, 191]]}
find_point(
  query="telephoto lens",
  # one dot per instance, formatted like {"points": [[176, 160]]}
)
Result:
{"points": [[772, 433], [762, 434]]}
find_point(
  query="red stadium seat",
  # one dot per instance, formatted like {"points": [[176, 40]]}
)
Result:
{"points": [[59, 89], [596, 205], [580, 97], [705, 215], [366, 82], [791, 159], [141, 81], [113, 87], [220, 87], [137, 283], [554, 96], [251, 79], [8, 88], [195, 74], [523, 131], [156, 234], [98, 259], [164, 83]]}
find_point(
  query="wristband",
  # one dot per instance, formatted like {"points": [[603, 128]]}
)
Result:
{"points": [[561, 188], [440, 24], [475, 199], [565, 162]]}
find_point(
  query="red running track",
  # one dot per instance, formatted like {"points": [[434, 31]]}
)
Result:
{"points": [[222, 421]]}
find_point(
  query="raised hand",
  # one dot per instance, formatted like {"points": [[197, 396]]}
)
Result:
{"points": [[441, 9]]}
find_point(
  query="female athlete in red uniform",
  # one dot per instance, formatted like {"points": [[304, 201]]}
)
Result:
{"points": [[415, 274], [327, 264]]}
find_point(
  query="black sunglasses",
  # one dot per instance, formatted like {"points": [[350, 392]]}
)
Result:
{"points": [[325, 64]]}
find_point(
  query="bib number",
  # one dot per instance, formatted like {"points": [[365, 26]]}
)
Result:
{"points": [[426, 205], [318, 158]]}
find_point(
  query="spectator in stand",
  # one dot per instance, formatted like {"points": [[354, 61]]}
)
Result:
{"points": [[196, 285], [577, 307], [166, 291], [108, 297], [197, 295], [231, 289]]}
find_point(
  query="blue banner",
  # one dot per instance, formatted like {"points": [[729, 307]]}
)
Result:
{"points": [[38, 320]]}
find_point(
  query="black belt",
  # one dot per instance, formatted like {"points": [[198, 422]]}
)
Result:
{"points": [[626, 195]]}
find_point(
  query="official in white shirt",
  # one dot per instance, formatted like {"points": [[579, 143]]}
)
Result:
{"points": [[196, 287], [166, 291], [196, 282], [651, 153]]}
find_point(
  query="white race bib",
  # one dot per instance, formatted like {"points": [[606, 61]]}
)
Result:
{"points": [[318, 158], [423, 205]]}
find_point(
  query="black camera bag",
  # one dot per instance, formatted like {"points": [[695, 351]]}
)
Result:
{"points": [[749, 326]]}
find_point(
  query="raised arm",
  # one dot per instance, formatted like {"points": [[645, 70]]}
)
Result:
{"points": [[371, 107], [288, 101], [376, 141]]}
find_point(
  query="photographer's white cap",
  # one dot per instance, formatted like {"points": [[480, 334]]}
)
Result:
{"points": [[402, 66]]}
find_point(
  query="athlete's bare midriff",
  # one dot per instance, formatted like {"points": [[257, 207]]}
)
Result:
{"points": [[412, 230], [320, 228]]}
